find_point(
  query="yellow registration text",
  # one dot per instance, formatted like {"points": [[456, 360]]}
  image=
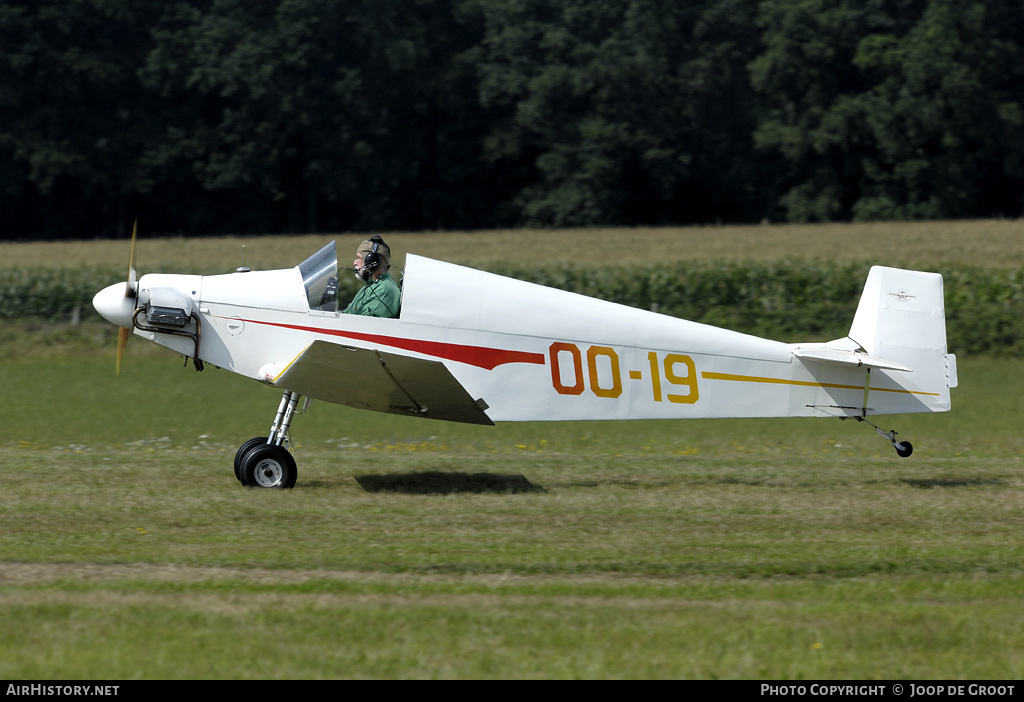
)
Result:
{"points": [[671, 376]]}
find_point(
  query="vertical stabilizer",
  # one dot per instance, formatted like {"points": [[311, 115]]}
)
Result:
{"points": [[901, 317]]}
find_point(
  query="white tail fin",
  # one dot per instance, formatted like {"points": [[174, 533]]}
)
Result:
{"points": [[901, 318], [900, 315]]}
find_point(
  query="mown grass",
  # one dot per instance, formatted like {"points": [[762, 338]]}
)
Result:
{"points": [[871, 628], [728, 549], [981, 243], [769, 563]]}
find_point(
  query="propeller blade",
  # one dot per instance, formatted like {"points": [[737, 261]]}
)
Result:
{"points": [[130, 290], [130, 293], [122, 342]]}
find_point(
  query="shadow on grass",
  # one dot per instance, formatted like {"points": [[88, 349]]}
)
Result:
{"points": [[444, 483], [953, 482]]}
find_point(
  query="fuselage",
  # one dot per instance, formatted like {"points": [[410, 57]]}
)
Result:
{"points": [[530, 352]]}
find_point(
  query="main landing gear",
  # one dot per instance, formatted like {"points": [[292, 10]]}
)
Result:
{"points": [[265, 461]]}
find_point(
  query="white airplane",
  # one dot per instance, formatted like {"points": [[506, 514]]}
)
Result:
{"points": [[471, 346]]}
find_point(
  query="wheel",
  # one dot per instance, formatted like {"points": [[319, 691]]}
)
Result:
{"points": [[267, 466], [244, 449], [907, 449]]}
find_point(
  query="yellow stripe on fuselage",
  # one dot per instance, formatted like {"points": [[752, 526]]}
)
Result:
{"points": [[708, 375]]}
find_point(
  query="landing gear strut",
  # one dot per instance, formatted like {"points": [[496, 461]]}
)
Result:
{"points": [[903, 448], [265, 461]]}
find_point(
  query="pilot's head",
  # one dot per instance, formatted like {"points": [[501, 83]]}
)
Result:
{"points": [[373, 258]]}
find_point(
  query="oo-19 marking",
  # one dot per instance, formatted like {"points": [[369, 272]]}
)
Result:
{"points": [[679, 372]]}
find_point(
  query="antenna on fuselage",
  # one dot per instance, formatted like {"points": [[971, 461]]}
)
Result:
{"points": [[242, 268]]}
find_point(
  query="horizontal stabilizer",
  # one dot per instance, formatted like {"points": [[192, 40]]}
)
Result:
{"points": [[847, 358]]}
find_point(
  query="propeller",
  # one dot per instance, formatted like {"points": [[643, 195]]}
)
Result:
{"points": [[130, 293]]}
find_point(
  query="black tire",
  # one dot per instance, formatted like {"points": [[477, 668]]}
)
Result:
{"points": [[244, 449], [268, 466], [907, 449]]}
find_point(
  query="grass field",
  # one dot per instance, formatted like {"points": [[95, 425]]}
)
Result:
{"points": [[776, 549], [727, 549], [987, 243]]}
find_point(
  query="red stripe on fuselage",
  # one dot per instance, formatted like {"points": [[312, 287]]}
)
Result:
{"points": [[479, 356]]}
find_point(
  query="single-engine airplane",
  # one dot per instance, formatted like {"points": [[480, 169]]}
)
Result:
{"points": [[471, 346]]}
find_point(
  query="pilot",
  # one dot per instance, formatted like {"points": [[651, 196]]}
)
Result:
{"points": [[381, 297]]}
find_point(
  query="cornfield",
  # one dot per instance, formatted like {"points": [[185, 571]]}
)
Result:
{"points": [[788, 301]]}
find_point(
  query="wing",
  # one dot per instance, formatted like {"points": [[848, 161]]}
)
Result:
{"points": [[384, 382]]}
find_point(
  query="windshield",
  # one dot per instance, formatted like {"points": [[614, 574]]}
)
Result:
{"points": [[320, 276]]}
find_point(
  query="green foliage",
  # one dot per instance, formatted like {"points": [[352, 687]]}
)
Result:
{"points": [[52, 294], [985, 311], [307, 115], [73, 121], [907, 110], [626, 110]]}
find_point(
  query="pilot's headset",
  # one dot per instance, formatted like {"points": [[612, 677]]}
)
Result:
{"points": [[374, 260]]}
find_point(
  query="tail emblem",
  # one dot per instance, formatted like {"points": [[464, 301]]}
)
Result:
{"points": [[902, 295]]}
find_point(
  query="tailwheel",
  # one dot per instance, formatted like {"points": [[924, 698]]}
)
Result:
{"points": [[267, 466], [903, 448]]}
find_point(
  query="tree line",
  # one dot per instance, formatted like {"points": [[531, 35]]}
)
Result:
{"points": [[217, 116]]}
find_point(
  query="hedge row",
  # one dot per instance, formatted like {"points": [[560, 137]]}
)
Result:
{"points": [[798, 301], [784, 301]]}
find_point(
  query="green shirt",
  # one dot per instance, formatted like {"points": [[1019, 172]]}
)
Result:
{"points": [[379, 298]]}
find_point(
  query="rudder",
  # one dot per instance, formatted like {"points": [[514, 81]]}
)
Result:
{"points": [[901, 317]]}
